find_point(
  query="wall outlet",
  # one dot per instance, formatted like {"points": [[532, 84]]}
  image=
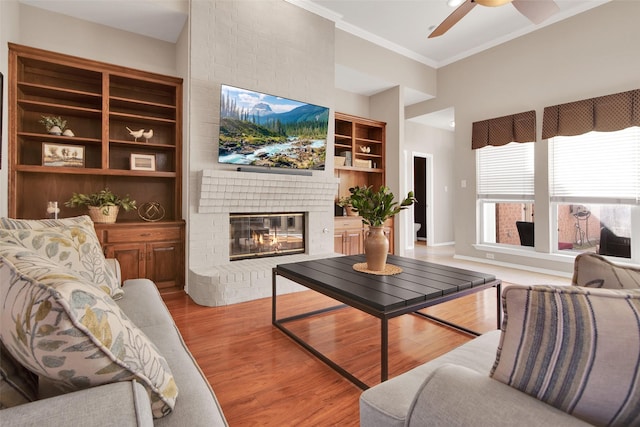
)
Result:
{"points": [[491, 256]]}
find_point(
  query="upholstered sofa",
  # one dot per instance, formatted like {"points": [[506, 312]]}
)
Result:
{"points": [[78, 348], [566, 356]]}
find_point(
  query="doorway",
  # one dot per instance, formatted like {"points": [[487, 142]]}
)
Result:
{"points": [[423, 189], [420, 191]]}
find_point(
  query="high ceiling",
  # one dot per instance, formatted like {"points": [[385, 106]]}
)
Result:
{"points": [[402, 26]]}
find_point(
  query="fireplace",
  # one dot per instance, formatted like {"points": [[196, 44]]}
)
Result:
{"points": [[265, 234]]}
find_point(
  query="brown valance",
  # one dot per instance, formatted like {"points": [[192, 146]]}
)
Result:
{"points": [[519, 127], [603, 114]]}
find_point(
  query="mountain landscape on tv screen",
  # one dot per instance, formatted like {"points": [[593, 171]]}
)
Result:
{"points": [[263, 130]]}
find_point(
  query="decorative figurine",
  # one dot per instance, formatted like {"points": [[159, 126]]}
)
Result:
{"points": [[147, 135], [135, 133]]}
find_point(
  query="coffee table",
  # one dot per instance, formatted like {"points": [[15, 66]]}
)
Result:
{"points": [[421, 284]]}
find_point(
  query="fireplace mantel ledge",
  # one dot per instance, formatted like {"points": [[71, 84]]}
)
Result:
{"points": [[224, 191]]}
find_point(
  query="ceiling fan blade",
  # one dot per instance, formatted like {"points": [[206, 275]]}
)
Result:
{"points": [[453, 19], [536, 10]]}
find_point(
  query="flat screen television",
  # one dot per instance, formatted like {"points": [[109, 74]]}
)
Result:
{"points": [[264, 130]]}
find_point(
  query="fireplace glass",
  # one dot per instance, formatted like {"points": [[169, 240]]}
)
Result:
{"points": [[262, 235]]}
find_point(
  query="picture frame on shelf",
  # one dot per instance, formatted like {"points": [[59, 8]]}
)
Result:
{"points": [[62, 155], [143, 162]]}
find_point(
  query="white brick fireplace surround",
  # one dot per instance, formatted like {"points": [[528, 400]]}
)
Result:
{"points": [[213, 279]]}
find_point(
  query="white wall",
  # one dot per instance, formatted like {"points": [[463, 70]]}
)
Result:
{"points": [[591, 54], [351, 103], [440, 144], [270, 46], [383, 64], [64, 34]]}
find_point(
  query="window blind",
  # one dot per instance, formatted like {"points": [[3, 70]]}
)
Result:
{"points": [[596, 167], [506, 172]]}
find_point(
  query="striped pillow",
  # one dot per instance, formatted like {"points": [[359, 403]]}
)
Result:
{"points": [[595, 271], [574, 348]]}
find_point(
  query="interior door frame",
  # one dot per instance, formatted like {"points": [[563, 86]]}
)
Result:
{"points": [[429, 189]]}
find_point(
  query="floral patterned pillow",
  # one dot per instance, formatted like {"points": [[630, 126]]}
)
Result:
{"points": [[71, 242], [37, 224], [56, 324]]}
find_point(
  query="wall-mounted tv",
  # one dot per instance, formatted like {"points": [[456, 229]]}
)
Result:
{"points": [[265, 130]]}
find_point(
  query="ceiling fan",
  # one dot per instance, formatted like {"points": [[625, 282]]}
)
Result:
{"points": [[536, 10]]}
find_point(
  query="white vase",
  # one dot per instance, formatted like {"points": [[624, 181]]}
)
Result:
{"points": [[55, 130]]}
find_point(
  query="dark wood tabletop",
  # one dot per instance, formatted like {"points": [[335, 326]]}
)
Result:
{"points": [[419, 282]]}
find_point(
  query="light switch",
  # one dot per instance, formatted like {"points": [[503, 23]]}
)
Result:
{"points": [[463, 183]]}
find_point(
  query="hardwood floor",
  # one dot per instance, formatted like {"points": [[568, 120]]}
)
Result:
{"points": [[261, 377]]}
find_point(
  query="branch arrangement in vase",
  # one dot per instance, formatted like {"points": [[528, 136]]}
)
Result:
{"points": [[375, 207]]}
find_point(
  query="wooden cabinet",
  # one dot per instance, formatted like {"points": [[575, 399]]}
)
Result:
{"points": [[350, 234], [100, 102], [363, 141], [155, 252]]}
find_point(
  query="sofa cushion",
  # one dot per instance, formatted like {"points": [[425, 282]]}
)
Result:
{"points": [[17, 384], [455, 395], [562, 345], [387, 404], [61, 327], [117, 404], [198, 405], [71, 242], [595, 271]]}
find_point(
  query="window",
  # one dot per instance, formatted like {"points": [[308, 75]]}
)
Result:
{"points": [[595, 190], [505, 189]]}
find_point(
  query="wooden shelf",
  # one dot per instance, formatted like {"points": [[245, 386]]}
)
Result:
{"points": [[38, 91], [99, 101], [92, 171], [59, 109], [142, 145], [357, 169], [59, 138], [351, 133]]}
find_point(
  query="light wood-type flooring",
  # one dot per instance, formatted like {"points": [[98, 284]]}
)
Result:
{"points": [[263, 378]]}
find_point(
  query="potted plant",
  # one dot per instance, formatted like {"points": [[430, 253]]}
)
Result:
{"points": [[53, 124], [103, 206], [375, 207], [345, 204]]}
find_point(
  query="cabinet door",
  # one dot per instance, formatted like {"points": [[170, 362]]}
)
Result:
{"points": [[164, 264], [354, 242], [131, 257], [338, 242]]}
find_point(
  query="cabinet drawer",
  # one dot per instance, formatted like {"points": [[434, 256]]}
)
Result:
{"points": [[145, 234], [340, 223]]}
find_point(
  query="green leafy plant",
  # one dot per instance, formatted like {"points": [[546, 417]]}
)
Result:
{"points": [[343, 202], [375, 207], [101, 199], [51, 121]]}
